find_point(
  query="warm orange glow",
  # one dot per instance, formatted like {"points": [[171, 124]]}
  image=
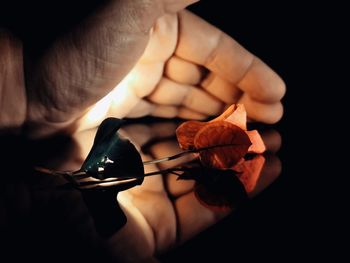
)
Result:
{"points": [[99, 110], [123, 97], [118, 103]]}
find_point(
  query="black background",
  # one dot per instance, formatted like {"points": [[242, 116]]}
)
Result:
{"points": [[297, 216]]}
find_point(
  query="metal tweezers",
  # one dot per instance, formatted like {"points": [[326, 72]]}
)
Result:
{"points": [[83, 180]]}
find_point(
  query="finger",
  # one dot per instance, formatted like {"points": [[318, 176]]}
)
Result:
{"points": [[153, 183], [142, 108], [95, 114], [140, 134], [221, 89], [163, 111], [183, 71], [123, 100], [163, 129], [257, 111], [193, 217], [171, 93], [270, 172], [226, 58], [168, 148], [177, 187], [200, 101], [158, 212], [124, 247], [186, 113], [272, 140], [143, 78], [261, 83], [163, 39], [204, 44]]}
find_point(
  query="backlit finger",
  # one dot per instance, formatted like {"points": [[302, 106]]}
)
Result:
{"points": [[200, 101], [183, 71], [163, 111], [142, 108], [169, 93], [186, 113], [206, 45], [221, 89], [143, 78], [262, 112], [163, 39], [262, 83]]}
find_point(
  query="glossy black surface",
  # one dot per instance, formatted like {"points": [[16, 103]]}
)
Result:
{"points": [[300, 216], [289, 220], [44, 214]]}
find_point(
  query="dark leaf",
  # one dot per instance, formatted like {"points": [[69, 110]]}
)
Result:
{"points": [[234, 140], [186, 132], [112, 155]]}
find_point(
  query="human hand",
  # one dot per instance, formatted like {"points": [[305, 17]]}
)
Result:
{"points": [[183, 52], [190, 69], [47, 90]]}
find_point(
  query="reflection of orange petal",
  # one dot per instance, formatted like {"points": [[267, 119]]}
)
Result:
{"points": [[220, 191], [186, 132], [249, 172], [210, 201], [221, 133], [258, 145]]}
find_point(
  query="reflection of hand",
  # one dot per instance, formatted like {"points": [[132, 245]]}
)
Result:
{"points": [[86, 64], [164, 212]]}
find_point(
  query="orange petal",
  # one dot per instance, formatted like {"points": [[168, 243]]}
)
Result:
{"points": [[233, 140], [238, 117], [235, 114], [258, 145], [226, 113], [186, 132], [250, 171]]}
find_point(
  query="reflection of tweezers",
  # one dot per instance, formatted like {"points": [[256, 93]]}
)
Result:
{"points": [[82, 180]]}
